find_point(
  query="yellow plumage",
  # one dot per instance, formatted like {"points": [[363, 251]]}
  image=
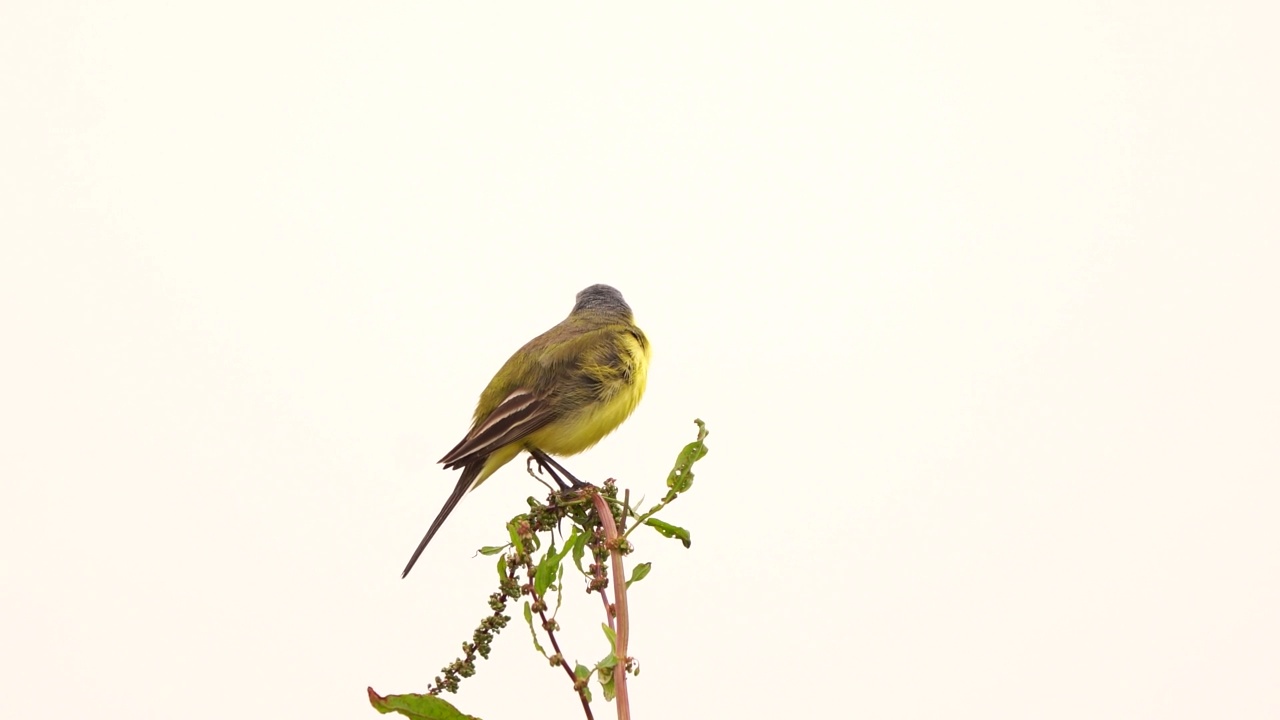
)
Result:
{"points": [[621, 386], [559, 394]]}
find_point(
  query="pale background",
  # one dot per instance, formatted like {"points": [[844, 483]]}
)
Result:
{"points": [[978, 299]]}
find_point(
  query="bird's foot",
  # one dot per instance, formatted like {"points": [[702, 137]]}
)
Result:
{"points": [[551, 467]]}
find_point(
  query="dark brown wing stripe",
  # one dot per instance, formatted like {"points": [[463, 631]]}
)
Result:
{"points": [[520, 414], [532, 419]]}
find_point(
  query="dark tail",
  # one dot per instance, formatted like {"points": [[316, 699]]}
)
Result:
{"points": [[469, 474]]}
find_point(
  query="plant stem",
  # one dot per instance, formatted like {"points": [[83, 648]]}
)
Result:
{"points": [[623, 629], [582, 695]]}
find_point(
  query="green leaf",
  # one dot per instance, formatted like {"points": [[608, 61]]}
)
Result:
{"points": [[493, 549], [417, 707], [681, 476], [568, 546], [559, 589], [546, 572], [604, 672], [639, 572], [502, 569], [528, 618], [579, 550], [671, 531], [583, 672], [606, 668]]}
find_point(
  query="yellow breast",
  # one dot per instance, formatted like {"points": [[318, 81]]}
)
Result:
{"points": [[618, 398]]}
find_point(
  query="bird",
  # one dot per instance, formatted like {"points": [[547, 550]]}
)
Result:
{"points": [[559, 394]]}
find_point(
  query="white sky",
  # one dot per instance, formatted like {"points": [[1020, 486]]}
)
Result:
{"points": [[978, 300]]}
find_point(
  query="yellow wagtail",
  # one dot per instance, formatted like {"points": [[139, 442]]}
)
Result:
{"points": [[558, 395]]}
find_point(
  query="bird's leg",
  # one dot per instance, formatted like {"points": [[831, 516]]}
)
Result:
{"points": [[575, 482], [544, 465], [551, 466], [536, 472]]}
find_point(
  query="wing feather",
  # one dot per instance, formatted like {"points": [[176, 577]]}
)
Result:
{"points": [[562, 374], [522, 413]]}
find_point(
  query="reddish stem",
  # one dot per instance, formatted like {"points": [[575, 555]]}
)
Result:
{"points": [[623, 629]]}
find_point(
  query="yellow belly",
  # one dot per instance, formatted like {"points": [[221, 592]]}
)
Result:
{"points": [[573, 434]]}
